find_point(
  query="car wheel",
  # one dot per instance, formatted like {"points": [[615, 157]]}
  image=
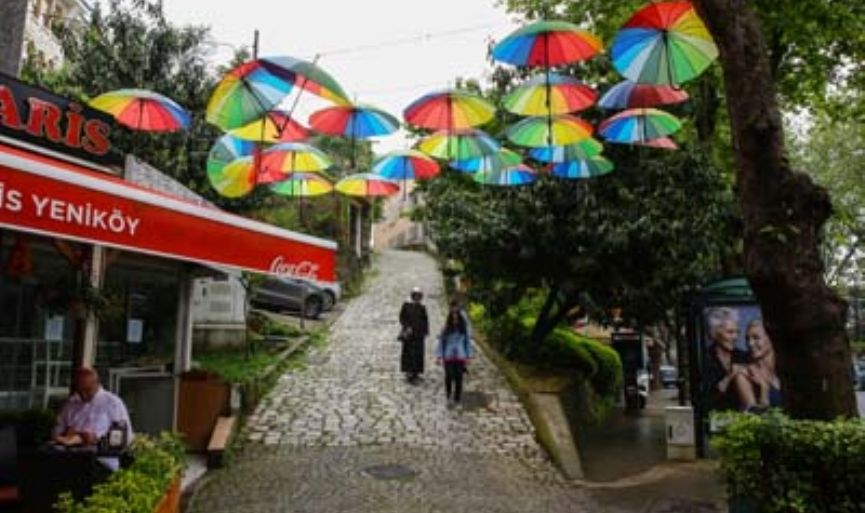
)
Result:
{"points": [[329, 300], [312, 308]]}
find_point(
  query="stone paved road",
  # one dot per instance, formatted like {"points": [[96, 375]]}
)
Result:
{"points": [[315, 437]]}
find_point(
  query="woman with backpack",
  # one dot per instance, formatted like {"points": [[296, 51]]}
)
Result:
{"points": [[454, 352]]}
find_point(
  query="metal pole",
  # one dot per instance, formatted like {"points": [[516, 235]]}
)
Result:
{"points": [[255, 44]]}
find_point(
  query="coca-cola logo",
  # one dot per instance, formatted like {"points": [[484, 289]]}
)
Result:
{"points": [[305, 269]]}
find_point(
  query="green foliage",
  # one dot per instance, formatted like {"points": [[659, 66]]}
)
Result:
{"points": [[139, 488], [831, 152], [562, 349], [659, 225], [236, 366], [782, 465]]}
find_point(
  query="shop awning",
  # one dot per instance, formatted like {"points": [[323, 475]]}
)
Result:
{"points": [[48, 196]]}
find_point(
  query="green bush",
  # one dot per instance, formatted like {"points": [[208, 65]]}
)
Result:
{"points": [[780, 465], [563, 349], [138, 488]]}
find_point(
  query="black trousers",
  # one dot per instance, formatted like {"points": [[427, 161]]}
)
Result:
{"points": [[454, 379]]}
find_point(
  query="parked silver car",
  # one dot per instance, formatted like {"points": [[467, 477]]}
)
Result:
{"points": [[289, 295]]}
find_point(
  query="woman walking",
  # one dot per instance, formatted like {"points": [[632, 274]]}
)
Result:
{"points": [[454, 351], [415, 328]]}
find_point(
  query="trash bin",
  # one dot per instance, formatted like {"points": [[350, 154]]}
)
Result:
{"points": [[680, 433]]}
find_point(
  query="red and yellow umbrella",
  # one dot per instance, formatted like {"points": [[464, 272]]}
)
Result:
{"points": [[367, 185], [143, 110], [449, 110]]}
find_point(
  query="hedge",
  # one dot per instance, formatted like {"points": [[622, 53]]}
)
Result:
{"points": [[775, 464], [138, 488], [564, 349]]}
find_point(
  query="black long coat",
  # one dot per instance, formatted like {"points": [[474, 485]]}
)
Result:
{"points": [[413, 315]]}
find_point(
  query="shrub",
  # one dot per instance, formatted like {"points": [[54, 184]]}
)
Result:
{"points": [[563, 349], [32, 427], [780, 465], [138, 488]]}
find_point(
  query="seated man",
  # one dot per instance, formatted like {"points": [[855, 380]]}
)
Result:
{"points": [[89, 414]]}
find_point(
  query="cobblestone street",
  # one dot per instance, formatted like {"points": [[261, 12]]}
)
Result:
{"points": [[348, 433]]}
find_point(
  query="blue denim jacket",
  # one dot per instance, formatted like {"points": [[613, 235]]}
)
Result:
{"points": [[454, 347]]}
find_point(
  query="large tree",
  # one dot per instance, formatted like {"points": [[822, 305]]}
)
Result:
{"points": [[783, 213], [632, 239]]}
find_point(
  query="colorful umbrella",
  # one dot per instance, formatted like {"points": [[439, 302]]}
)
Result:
{"points": [[663, 43], [663, 143], [557, 131], [143, 110], [517, 175], [502, 159], [273, 127], [353, 121], [308, 76], [586, 168], [367, 185], [302, 185], [406, 165], [541, 96], [585, 149], [281, 160], [227, 172], [449, 110], [629, 95], [247, 93], [639, 125], [458, 145], [546, 44]]}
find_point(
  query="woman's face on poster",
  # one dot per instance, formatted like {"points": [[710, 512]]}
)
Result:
{"points": [[758, 341], [726, 335]]}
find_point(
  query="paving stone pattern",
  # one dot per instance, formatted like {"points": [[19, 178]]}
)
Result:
{"points": [[352, 393], [314, 439]]}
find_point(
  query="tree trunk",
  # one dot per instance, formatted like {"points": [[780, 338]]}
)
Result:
{"points": [[783, 213], [543, 324]]}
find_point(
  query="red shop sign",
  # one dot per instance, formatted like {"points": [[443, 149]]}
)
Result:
{"points": [[45, 196]]}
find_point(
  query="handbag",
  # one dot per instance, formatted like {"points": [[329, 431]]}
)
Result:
{"points": [[404, 334]]}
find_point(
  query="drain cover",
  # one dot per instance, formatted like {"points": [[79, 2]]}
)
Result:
{"points": [[388, 472], [475, 400]]}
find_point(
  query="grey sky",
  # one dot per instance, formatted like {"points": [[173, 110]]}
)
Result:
{"points": [[349, 35]]}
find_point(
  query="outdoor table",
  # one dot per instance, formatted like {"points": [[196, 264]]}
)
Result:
{"points": [[50, 470]]}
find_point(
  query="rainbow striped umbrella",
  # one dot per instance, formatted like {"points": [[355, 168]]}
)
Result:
{"points": [[308, 76], [143, 110], [406, 165], [247, 93], [281, 160], [663, 143], [459, 145], [586, 168], [273, 127], [227, 168], [449, 110], [367, 185], [629, 95], [556, 94], [502, 159], [663, 43], [558, 130], [353, 121], [303, 185], [516, 175], [587, 148], [639, 125], [546, 44]]}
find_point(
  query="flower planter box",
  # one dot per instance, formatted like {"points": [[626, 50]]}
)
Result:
{"points": [[170, 502]]}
